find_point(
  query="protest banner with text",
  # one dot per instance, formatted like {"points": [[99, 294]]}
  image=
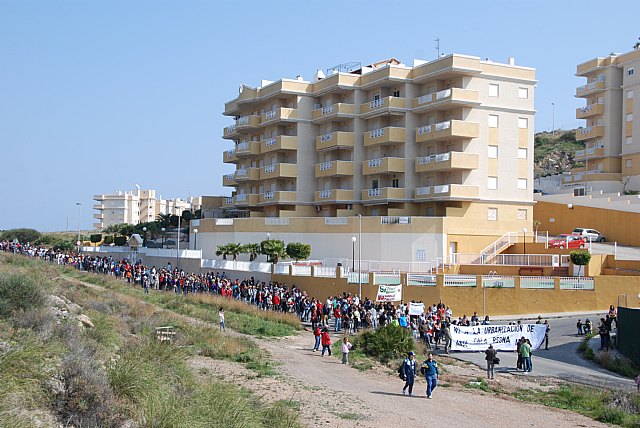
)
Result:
{"points": [[389, 293], [502, 337]]}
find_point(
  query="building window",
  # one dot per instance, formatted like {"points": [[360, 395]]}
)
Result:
{"points": [[523, 93], [374, 184], [629, 140], [493, 152], [396, 94], [395, 183], [522, 183], [493, 121], [629, 94], [492, 183], [630, 71], [522, 214], [494, 90], [523, 122], [492, 214], [630, 117], [421, 255], [628, 163], [522, 153]]}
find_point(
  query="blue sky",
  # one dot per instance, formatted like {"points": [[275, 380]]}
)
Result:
{"points": [[101, 95]]}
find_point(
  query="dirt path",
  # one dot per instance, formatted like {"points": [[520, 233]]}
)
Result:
{"points": [[330, 394]]}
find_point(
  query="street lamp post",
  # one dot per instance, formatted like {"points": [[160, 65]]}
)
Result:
{"points": [[353, 253], [144, 238], [524, 241], [78, 242], [553, 118], [360, 256], [195, 239], [178, 242], [163, 230]]}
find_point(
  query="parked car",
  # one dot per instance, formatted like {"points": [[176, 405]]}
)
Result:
{"points": [[589, 234], [567, 240]]}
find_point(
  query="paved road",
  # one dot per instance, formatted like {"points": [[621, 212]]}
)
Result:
{"points": [[561, 360]]}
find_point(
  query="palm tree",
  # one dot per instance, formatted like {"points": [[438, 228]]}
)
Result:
{"points": [[252, 249], [274, 249], [164, 220], [222, 250], [234, 250]]}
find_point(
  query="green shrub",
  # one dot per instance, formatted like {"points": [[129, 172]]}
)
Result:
{"points": [[120, 241], [386, 343], [23, 235], [20, 292], [95, 238], [298, 250]]}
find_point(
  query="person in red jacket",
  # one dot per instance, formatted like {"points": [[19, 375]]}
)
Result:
{"points": [[326, 341]]}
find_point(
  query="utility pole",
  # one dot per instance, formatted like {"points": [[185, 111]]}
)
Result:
{"points": [[553, 118], [437, 47]]}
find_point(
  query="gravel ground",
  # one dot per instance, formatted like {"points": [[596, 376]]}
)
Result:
{"points": [[333, 395]]}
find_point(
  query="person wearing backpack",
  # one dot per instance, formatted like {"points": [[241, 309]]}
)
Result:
{"points": [[408, 373]]}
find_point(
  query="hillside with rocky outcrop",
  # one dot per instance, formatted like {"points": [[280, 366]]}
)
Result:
{"points": [[554, 153]]}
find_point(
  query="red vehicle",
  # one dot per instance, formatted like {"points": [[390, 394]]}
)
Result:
{"points": [[568, 241]]}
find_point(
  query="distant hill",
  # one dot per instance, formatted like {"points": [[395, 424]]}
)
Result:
{"points": [[554, 153]]}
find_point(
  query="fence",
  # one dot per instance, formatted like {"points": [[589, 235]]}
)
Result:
{"points": [[537, 282], [386, 278], [576, 283], [493, 281], [352, 278], [460, 281], [628, 337], [297, 270], [512, 259], [421, 280]]}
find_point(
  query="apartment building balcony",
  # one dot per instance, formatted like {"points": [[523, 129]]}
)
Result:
{"points": [[99, 216], [229, 156], [383, 194], [279, 170], [227, 202], [279, 143], [335, 140], [449, 130], [247, 149], [447, 191], [590, 111], [596, 131], [99, 207], [334, 168], [229, 180], [448, 161], [98, 225], [388, 105], [446, 99], [247, 174], [230, 132], [248, 123], [246, 199], [277, 197], [592, 153], [386, 165], [282, 114], [333, 196], [590, 88], [388, 135], [333, 112]]}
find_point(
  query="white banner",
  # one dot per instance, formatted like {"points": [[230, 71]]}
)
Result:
{"points": [[389, 293], [416, 308], [502, 337]]}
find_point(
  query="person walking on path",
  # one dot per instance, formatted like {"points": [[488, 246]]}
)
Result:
{"points": [[221, 316], [525, 351], [316, 334], [431, 372], [605, 338], [446, 329], [326, 341], [408, 371], [490, 356], [546, 335], [346, 348]]}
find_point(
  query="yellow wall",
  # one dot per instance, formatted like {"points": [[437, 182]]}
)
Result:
{"points": [[618, 226]]}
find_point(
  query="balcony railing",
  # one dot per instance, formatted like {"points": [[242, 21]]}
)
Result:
{"points": [[376, 103], [374, 163], [269, 169], [434, 158], [325, 166], [448, 129]]}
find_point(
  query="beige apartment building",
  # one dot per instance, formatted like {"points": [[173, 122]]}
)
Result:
{"points": [[449, 141], [137, 206], [611, 156]]}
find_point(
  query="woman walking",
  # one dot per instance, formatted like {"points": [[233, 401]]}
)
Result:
{"points": [[346, 348]]}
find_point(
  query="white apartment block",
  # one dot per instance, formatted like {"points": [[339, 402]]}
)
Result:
{"points": [[137, 206], [611, 157]]}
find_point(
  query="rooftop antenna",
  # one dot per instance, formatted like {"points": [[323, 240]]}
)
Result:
{"points": [[437, 47]]}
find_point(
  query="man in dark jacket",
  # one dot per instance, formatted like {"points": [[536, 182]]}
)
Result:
{"points": [[490, 356], [408, 372]]}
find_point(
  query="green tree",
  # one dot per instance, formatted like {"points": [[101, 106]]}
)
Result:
{"points": [[187, 215], [163, 220], [274, 249], [222, 250], [580, 258], [23, 235], [233, 250], [252, 249], [95, 238], [298, 251]]}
